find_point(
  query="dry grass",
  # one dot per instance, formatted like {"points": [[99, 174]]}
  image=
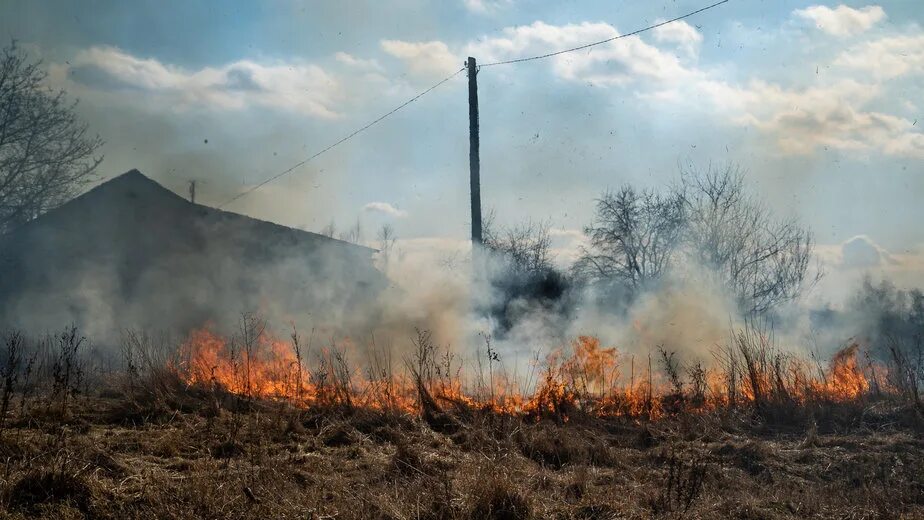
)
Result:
{"points": [[148, 445], [274, 461]]}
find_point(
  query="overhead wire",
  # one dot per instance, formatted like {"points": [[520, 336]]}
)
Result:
{"points": [[341, 141], [601, 42], [444, 80]]}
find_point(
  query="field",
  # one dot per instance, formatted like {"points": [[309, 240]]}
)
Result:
{"points": [[109, 460], [147, 442]]}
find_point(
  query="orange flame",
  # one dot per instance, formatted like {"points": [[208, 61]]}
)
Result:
{"points": [[845, 380], [587, 380], [266, 369]]}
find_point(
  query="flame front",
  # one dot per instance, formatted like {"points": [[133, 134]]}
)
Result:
{"points": [[266, 368], [587, 379], [845, 380]]}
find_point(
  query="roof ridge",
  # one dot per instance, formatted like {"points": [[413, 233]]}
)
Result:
{"points": [[141, 180]]}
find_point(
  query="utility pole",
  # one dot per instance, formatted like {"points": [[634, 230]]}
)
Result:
{"points": [[192, 191], [474, 162]]}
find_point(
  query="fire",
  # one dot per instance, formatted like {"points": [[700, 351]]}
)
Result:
{"points": [[591, 366], [265, 368], [585, 378], [845, 380]]}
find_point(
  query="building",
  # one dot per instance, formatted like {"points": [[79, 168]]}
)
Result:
{"points": [[130, 253]]}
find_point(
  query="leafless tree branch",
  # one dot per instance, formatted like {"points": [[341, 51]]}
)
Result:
{"points": [[46, 153]]}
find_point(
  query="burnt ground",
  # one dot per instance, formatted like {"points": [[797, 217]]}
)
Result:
{"points": [[108, 458]]}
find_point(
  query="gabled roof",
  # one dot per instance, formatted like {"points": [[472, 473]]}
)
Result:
{"points": [[133, 194], [135, 252]]}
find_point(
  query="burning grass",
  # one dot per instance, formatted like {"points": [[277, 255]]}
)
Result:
{"points": [[246, 427], [584, 379]]}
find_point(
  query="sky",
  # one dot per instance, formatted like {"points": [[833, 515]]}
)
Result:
{"points": [[821, 104]]}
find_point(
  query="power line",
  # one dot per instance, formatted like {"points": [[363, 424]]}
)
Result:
{"points": [[585, 46], [347, 138], [444, 80]]}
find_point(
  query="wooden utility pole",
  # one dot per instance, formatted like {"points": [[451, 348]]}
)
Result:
{"points": [[474, 162]]}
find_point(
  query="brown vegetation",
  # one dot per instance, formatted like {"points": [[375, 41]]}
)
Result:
{"points": [[373, 464], [145, 443]]}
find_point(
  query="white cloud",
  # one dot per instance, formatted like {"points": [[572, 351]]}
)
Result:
{"points": [[385, 209], [566, 245], [486, 6], [300, 87], [619, 62], [681, 33], [842, 20], [832, 114], [886, 58], [845, 264], [425, 59], [860, 252], [836, 112], [829, 116], [359, 63]]}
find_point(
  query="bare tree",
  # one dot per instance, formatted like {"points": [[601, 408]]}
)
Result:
{"points": [[46, 152], [353, 235], [892, 321], [761, 260], [387, 240], [329, 230], [527, 278], [707, 219], [634, 237], [527, 246]]}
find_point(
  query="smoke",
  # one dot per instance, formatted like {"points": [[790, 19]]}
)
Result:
{"points": [[432, 286], [686, 312], [130, 254], [138, 257]]}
